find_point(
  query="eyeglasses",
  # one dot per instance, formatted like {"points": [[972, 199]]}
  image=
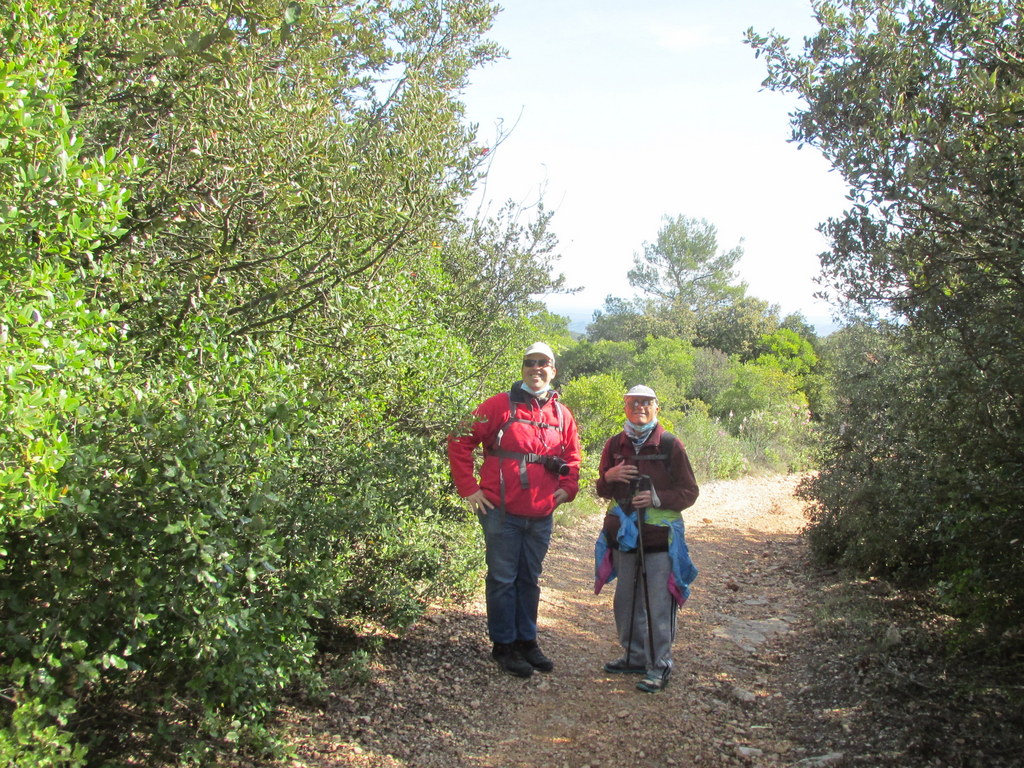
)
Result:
{"points": [[542, 362], [638, 404]]}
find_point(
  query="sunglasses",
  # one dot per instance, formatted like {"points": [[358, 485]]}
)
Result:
{"points": [[541, 362]]}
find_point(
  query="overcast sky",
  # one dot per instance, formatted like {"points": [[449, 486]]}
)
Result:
{"points": [[624, 113]]}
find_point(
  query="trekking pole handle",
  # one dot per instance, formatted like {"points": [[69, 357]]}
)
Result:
{"points": [[637, 485]]}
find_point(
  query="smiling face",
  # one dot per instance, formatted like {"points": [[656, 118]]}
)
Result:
{"points": [[538, 371], [641, 410]]}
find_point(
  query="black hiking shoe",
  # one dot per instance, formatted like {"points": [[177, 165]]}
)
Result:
{"points": [[510, 660], [622, 667], [534, 656]]}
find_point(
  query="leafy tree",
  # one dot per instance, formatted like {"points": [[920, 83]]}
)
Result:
{"points": [[227, 393], [554, 329], [258, 214], [788, 351], [797, 323], [795, 354], [485, 290], [637, 320], [915, 103], [57, 206], [589, 358], [875, 430], [713, 373], [736, 327], [759, 388], [683, 268], [667, 365]]}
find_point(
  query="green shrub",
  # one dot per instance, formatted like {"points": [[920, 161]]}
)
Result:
{"points": [[758, 387], [779, 440], [34, 737], [596, 403], [713, 452]]}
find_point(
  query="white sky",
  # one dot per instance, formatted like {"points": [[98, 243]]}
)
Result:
{"points": [[625, 112]]}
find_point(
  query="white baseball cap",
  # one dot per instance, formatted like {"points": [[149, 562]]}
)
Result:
{"points": [[540, 348], [641, 391]]}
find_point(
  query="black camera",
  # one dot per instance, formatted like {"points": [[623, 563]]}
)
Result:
{"points": [[556, 464]]}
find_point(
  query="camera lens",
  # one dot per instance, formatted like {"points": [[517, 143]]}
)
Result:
{"points": [[557, 465]]}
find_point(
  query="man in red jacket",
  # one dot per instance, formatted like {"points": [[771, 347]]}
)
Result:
{"points": [[531, 465]]}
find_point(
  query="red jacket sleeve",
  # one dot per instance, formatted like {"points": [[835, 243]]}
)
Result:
{"points": [[461, 448], [571, 453]]}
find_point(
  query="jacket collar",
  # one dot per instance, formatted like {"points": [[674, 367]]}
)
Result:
{"points": [[653, 440], [520, 395]]}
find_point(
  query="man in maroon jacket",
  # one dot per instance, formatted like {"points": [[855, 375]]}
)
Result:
{"points": [[531, 465], [646, 473]]}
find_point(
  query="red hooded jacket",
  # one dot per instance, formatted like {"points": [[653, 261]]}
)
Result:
{"points": [[540, 429]]}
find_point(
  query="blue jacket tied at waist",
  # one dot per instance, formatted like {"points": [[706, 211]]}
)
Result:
{"points": [[683, 572]]}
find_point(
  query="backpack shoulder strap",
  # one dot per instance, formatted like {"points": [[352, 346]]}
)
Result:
{"points": [[668, 440]]}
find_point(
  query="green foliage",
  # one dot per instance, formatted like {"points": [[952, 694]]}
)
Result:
{"points": [[713, 452], [917, 105], [797, 323], [861, 516], [901, 492], [718, 359], [736, 327], [596, 403], [668, 366], [713, 373], [589, 358], [766, 409], [224, 414], [30, 741], [56, 206], [788, 351], [778, 440], [683, 267], [737, 417], [683, 277], [759, 388], [640, 319], [794, 354], [554, 329], [294, 161], [490, 271]]}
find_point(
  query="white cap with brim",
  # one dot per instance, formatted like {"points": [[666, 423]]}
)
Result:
{"points": [[540, 348], [641, 391]]}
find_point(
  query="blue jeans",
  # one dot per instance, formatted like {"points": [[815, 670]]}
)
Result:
{"points": [[515, 549]]}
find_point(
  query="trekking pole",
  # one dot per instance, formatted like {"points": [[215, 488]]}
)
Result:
{"points": [[643, 483], [628, 505], [632, 614]]}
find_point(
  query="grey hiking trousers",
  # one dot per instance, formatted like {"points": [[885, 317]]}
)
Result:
{"points": [[631, 612]]}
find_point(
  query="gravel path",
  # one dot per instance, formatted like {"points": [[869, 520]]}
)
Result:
{"points": [[760, 680], [437, 700]]}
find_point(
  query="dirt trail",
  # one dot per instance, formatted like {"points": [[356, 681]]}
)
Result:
{"points": [[437, 700], [743, 536]]}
